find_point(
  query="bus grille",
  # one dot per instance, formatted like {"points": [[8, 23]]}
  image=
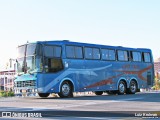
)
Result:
{"points": [[25, 83]]}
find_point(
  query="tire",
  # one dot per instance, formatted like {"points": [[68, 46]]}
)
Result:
{"points": [[121, 88], [98, 92], [65, 90], [43, 95], [132, 88]]}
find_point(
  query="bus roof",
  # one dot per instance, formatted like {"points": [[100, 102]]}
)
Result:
{"points": [[68, 42]]}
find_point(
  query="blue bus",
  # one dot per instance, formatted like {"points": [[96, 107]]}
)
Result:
{"points": [[64, 67]]}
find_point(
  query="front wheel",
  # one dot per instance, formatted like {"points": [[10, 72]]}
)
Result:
{"points": [[65, 90], [43, 95], [121, 88]]}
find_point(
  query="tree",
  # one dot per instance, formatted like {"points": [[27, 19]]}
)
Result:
{"points": [[157, 81]]}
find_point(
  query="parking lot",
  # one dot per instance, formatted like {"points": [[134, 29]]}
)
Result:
{"points": [[85, 105]]}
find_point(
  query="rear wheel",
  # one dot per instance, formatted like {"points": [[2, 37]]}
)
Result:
{"points": [[65, 90], [98, 92], [44, 95], [121, 88], [132, 88]]}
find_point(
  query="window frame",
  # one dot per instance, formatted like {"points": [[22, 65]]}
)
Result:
{"points": [[131, 55], [109, 49], [53, 52], [92, 57], [149, 55], [74, 48], [123, 55]]}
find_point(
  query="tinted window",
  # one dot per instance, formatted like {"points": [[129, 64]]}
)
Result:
{"points": [[136, 56], [88, 53], [96, 53], [108, 54], [78, 52], [52, 51], [57, 51], [111, 55], [74, 52], [53, 64], [70, 51], [92, 53], [122, 55], [48, 51], [147, 57]]}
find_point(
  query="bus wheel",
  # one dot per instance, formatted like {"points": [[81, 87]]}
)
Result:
{"points": [[121, 88], [132, 88], [65, 90], [43, 94], [98, 92]]}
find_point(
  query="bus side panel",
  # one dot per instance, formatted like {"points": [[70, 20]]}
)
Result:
{"points": [[96, 75], [49, 82], [75, 71]]}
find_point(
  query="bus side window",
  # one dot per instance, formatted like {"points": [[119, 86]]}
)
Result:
{"points": [[92, 53], [112, 55], [122, 55], [88, 53], [53, 62], [146, 57], [136, 56], [96, 53], [108, 54], [74, 52], [78, 52], [70, 52], [53, 65]]}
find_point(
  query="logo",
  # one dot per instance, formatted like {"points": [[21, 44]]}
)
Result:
{"points": [[6, 114]]}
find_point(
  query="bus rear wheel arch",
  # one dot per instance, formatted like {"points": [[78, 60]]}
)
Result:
{"points": [[121, 87], [66, 89], [132, 87]]}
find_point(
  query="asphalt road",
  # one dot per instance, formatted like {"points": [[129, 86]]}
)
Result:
{"points": [[88, 106]]}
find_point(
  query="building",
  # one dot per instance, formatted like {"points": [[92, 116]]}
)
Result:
{"points": [[7, 80], [7, 77], [157, 66]]}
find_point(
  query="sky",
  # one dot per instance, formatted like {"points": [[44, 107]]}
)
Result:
{"points": [[128, 23]]}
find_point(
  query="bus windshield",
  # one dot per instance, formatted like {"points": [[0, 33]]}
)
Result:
{"points": [[29, 60]]}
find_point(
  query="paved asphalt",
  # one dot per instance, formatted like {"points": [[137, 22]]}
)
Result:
{"points": [[83, 106]]}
